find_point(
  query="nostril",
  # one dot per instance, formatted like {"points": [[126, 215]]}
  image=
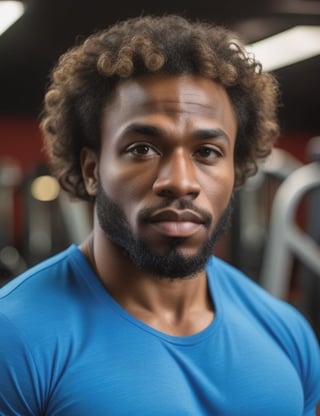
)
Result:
{"points": [[166, 193], [172, 194]]}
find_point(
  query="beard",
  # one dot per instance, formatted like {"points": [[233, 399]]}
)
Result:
{"points": [[169, 265]]}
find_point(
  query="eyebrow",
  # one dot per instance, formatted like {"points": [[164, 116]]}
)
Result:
{"points": [[215, 133], [144, 130], [154, 131]]}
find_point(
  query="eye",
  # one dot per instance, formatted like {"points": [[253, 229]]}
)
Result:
{"points": [[208, 153], [142, 150]]}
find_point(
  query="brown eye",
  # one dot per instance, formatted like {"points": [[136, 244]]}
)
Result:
{"points": [[141, 150], [208, 153], [205, 152]]}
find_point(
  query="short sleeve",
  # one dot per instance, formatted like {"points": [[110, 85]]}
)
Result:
{"points": [[308, 364]]}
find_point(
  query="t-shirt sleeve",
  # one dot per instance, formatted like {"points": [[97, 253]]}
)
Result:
{"points": [[308, 364], [295, 335], [20, 392]]}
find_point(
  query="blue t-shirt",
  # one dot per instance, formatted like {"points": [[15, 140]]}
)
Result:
{"points": [[68, 349]]}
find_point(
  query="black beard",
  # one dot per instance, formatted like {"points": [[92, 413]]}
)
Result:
{"points": [[170, 265]]}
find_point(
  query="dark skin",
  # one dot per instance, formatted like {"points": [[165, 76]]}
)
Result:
{"points": [[164, 138]]}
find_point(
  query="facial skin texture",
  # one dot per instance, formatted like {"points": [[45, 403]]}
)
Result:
{"points": [[166, 163]]}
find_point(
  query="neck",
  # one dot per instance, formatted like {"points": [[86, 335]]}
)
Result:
{"points": [[175, 306]]}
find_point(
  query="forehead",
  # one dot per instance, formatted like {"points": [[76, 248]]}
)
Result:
{"points": [[178, 97]]}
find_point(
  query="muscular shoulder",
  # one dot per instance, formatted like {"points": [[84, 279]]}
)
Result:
{"points": [[39, 295], [235, 286], [276, 316], [276, 320]]}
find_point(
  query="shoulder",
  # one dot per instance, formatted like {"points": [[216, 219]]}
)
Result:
{"points": [[276, 315], [279, 320], [27, 298], [43, 324], [33, 272], [56, 266]]}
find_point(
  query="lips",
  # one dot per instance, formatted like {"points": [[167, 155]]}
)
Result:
{"points": [[170, 215], [174, 223]]}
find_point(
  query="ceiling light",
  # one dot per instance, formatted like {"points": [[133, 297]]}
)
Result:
{"points": [[288, 47], [10, 11]]}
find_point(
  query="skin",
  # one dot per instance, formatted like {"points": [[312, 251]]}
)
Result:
{"points": [[165, 140]]}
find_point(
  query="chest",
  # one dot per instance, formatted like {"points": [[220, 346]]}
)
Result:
{"points": [[144, 375]]}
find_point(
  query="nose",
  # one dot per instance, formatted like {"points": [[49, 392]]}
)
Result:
{"points": [[177, 177]]}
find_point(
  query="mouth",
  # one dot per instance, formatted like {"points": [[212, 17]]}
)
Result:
{"points": [[175, 223]]}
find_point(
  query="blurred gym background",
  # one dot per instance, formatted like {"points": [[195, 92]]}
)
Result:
{"points": [[275, 233]]}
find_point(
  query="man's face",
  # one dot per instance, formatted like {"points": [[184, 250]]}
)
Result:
{"points": [[166, 171]]}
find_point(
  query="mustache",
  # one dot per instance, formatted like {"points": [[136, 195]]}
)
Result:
{"points": [[145, 214]]}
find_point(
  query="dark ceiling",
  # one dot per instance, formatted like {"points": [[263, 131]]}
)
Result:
{"points": [[30, 48]]}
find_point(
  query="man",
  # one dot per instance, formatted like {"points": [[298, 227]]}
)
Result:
{"points": [[154, 120]]}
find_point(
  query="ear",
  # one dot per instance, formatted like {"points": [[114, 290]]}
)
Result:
{"points": [[89, 168]]}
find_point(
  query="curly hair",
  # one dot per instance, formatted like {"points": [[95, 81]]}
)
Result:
{"points": [[85, 78]]}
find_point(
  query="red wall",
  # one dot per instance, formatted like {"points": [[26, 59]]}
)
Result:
{"points": [[21, 144], [295, 144]]}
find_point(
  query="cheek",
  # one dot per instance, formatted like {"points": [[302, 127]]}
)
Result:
{"points": [[219, 186], [126, 187], [219, 200]]}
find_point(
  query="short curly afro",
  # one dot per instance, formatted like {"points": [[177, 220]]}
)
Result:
{"points": [[86, 76]]}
